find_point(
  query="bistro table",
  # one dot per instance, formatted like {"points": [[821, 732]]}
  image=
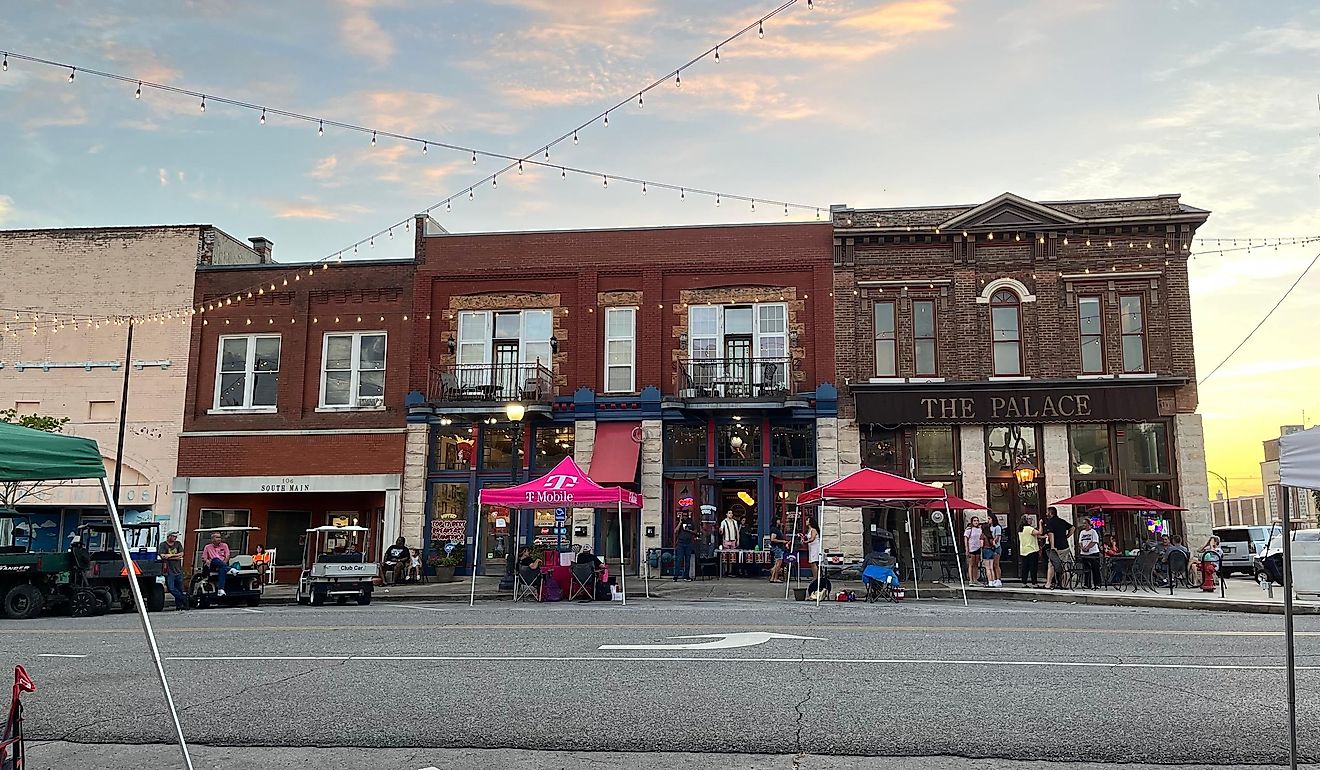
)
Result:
{"points": [[1124, 567]]}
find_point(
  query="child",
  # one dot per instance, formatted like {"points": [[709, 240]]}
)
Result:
{"points": [[414, 567]]}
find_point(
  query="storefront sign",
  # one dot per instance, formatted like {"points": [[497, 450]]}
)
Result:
{"points": [[903, 407], [288, 484], [448, 530]]}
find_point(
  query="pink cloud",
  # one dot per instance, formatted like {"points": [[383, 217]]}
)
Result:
{"points": [[362, 35]]}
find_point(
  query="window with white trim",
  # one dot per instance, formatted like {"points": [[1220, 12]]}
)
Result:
{"points": [[620, 349], [723, 339], [353, 370], [247, 371], [505, 337]]}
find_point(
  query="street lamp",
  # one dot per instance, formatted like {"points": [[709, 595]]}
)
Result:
{"points": [[515, 412], [1228, 499]]}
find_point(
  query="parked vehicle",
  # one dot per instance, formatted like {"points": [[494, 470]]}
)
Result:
{"points": [[242, 583], [1269, 563], [108, 576], [1240, 545], [31, 583], [334, 566]]}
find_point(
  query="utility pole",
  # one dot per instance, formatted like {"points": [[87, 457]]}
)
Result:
{"points": [[123, 412], [1228, 499]]}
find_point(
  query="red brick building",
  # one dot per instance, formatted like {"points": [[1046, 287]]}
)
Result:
{"points": [[1019, 352], [690, 363], [294, 414]]}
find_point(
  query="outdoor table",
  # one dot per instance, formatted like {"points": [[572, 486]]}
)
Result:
{"points": [[1124, 564], [732, 556]]}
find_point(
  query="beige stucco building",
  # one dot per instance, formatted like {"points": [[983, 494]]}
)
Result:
{"points": [[77, 373]]}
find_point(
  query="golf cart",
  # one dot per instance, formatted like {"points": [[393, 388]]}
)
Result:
{"points": [[333, 566], [242, 584], [108, 576], [31, 582]]}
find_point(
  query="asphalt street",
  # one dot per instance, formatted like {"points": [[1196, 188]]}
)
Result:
{"points": [[429, 684]]}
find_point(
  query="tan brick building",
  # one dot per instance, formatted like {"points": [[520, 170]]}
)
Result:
{"points": [[1019, 352]]}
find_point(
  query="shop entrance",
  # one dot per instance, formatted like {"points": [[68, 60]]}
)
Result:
{"points": [[740, 497], [1009, 500], [608, 539]]}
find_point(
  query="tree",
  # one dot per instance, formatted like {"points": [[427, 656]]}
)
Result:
{"points": [[13, 493]]}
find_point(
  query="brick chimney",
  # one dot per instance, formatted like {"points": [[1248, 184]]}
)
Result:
{"points": [[263, 248]]}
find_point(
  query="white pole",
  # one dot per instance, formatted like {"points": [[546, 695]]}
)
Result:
{"points": [[476, 549], [791, 552], [513, 548], [948, 517], [916, 579], [623, 579], [136, 590], [645, 561], [818, 570]]}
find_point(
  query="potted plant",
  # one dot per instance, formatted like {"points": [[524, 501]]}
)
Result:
{"points": [[443, 564]]}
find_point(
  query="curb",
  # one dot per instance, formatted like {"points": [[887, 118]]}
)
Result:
{"points": [[1115, 599]]}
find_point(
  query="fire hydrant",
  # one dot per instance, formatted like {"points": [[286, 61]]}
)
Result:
{"points": [[1208, 568]]}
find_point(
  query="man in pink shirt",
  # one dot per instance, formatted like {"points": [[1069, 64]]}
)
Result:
{"points": [[216, 554]]}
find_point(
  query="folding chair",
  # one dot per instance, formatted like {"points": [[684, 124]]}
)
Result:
{"points": [[582, 581], [527, 582]]}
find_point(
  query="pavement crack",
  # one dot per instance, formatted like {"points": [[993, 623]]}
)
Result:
{"points": [[801, 706]]}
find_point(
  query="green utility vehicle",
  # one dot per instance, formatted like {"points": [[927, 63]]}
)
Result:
{"points": [[108, 576], [33, 582]]}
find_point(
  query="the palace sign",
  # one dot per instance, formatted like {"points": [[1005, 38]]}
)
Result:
{"points": [[1035, 405]]}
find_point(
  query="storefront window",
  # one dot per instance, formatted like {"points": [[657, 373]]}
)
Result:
{"points": [[1088, 449], [448, 516], [286, 533], [738, 444], [685, 446], [496, 448], [1007, 446], [225, 517], [1147, 449], [880, 449], [454, 447], [553, 444], [936, 455], [793, 446]]}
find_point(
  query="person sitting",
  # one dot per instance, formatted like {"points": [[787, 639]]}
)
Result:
{"points": [[1109, 549], [526, 558], [585, 556], [216, 556], [261, 560], [396, 560], [414, 567]]}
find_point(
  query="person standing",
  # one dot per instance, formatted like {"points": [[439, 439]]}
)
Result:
{"points": [[997, 541], [1058, 533], [171, 558], [779, 551], [816, 555], [730, 534], [972, 542], [1029, 548], [988, 554], [216, 555], [684, 538], [1088, 550]]}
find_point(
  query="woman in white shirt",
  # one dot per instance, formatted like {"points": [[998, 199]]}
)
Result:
{"points": [[972, 542], [1088, 550]]}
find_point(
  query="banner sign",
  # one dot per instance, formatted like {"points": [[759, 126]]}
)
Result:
{"points": [[1013, 406]]}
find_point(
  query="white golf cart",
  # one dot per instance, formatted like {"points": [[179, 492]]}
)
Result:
{"points": [[242, 581], [334, 566]]}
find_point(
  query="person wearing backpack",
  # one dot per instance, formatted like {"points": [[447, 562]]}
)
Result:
{"points": [[685, 538]]}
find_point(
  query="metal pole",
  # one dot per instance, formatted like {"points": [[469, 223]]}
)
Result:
{"points": [[1288, 628], [792, 543], [1228, 500], [912, 552], [136, 590], [948, 517], [623, 580], [476, 549], [511, 556], [123, 412]]}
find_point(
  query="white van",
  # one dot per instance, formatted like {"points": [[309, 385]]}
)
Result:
{"points": [[1241, 544]]}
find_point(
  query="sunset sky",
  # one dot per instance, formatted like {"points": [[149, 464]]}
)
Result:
{"points": [[866, 103]]}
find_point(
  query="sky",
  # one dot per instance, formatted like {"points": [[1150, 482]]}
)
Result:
{"points": [[867, 103]]}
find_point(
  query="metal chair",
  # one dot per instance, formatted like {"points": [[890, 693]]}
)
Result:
{"points": [[582, 581], [1143, 572], [1179, 564], [1063, 570], [527, 583]]}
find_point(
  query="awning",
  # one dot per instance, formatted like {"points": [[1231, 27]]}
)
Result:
{"points": [[33, 455], [1299, 459], [614, 458]]}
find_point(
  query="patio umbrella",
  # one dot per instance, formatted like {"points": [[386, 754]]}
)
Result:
{"points": [[956, 503], [1107, 500], [1157, 505]]}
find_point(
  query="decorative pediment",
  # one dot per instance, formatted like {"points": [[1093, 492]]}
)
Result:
{"points": [[1009, 211]]}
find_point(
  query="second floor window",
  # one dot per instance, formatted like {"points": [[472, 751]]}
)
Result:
{"points": [[739, 343], [1091, 329], [620, 349], [247, 374], [924, 347], [504, 337], [886, 340], [1006, 333], [1132, 324], [353, 370]]}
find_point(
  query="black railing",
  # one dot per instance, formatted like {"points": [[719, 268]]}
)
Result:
{"points": [[733, 377], [492, 382]]}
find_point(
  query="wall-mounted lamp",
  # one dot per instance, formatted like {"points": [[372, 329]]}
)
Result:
{"points": [[452, 344], [1085, 468], [650, 531], [554, 344], [736, 442], [582, 532]]}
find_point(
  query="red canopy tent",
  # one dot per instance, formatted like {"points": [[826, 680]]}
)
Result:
{"points": [[867, 487], [565, 486]]}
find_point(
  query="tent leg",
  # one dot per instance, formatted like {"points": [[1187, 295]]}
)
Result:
{"points": [[514, 534], [817, 570], [916, 579], [948, 518], [796, 563], [1284, 502], [476, 549], [623, 579], [643, 560], [136, 590]]}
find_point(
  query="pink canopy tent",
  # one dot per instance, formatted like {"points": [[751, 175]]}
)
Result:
{"points": [[565, 486], [867, 488]]}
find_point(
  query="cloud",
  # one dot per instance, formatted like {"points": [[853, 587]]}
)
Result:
{"points": [[164, 177], [310, 208], [846, 33], [324, 168], [362, 35], [6, 208], [1274, 366], [414, 113]]}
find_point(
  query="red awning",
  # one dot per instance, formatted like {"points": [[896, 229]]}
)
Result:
{"points": [[1106, 499], [614, 458], [869, 487]]}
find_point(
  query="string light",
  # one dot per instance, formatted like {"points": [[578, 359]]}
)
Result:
{"points": [[202, 106], [423, 148], [320, 128], [474, 157], [4, 65], [760, 29], [640, 103], [607, 117], [373, 138], [138, 93], [263, 116], [72, 71], [717, 54], [678, 80], [575, 139]]}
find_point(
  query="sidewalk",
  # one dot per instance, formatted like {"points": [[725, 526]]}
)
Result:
{"points": [[1241, 595]]}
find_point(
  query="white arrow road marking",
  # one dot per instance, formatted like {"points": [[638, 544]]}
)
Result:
{"points": [[722, 641], [245, 609]]}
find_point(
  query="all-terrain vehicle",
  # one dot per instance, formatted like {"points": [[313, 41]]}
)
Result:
{"points": [[33, 582], [108, 575], [242, 579], [334, 567]]}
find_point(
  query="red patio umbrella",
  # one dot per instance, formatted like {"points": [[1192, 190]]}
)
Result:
{"points": [[1106, 499], [1157, 505], [956, 503]]}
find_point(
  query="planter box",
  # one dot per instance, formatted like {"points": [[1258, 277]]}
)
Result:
{"points": [[444, 574]]}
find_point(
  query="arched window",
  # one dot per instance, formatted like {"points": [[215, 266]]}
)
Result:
{"points": [[1006, 332]]}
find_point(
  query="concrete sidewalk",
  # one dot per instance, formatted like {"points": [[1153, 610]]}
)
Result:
{"points": [[1240, 595]]}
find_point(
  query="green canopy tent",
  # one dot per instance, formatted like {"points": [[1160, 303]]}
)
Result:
{"points": [[33, 455]]}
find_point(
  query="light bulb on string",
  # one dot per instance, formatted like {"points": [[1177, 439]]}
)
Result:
{"points": [[138, 93], [547, 152], [72, 71], [753, 204], [575, 139], [811, 5], [682, 194], [4, 65], [562, 173], [605, 180], [423, 148], [448, 207], [640, 103], [520, 168], [607, 118], [717, 54], [717, 199], [494, 182], [785, 209], [202, 107], [320, 128], [678, 79], [373, 138], [643, 188], [474, 157], [262, 121], [760, 29]]}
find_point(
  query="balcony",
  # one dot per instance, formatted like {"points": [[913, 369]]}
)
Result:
{"points": [[744, 378], [491, 383]]}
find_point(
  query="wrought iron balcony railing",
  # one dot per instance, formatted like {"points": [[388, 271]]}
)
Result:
{"points": [[743, 377], [492, 382]]}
